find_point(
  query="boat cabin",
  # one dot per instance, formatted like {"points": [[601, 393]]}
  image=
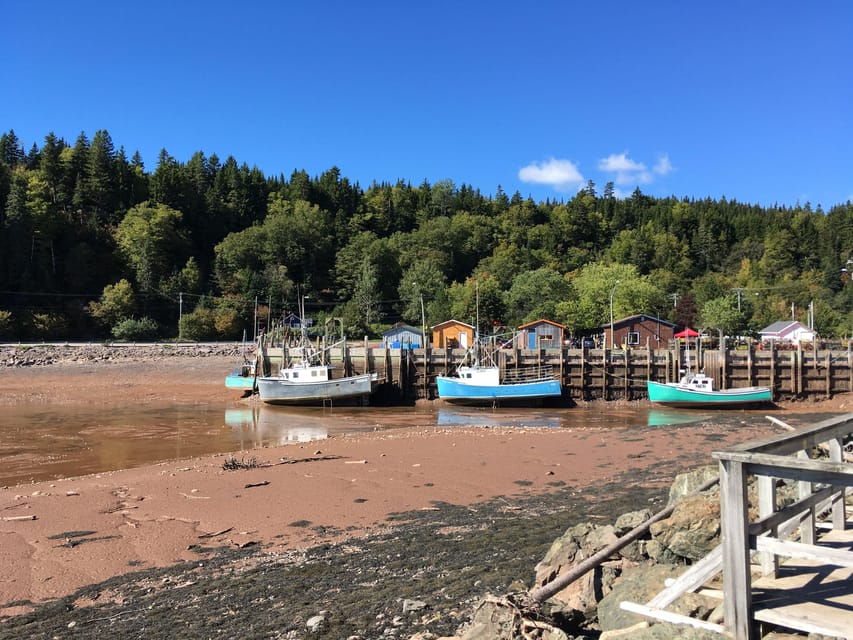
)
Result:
{"points": [[310, 373], [479, 376]]}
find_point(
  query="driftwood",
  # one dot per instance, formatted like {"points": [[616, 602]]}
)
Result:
{"points": [[561, 582], [257, 484], [18, 518], [215, 533]]}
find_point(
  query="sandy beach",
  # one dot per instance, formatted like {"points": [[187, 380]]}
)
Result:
{"points": [[58, 536]]}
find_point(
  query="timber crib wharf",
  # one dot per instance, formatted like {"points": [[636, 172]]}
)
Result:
{"points": [[811, 592], [599, 374]]}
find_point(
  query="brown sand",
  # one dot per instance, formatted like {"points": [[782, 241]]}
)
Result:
{"points": [[152, 516]]}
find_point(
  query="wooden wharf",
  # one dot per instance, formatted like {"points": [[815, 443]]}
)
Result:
{"points": [[602, 374]]}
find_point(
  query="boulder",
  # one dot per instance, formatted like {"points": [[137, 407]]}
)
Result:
{"points": [[693, 529]]}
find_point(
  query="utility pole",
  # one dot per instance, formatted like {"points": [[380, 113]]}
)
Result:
{"points": [[180, 312]]}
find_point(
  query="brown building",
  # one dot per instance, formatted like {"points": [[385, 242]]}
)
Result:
{"points": [[636, 331], [453, 334]]}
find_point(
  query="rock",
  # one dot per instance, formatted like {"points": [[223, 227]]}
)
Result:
{"points": [[687, 483], [640, 584], [413, 605], [315, 624], [632, 520], [693, 529]]}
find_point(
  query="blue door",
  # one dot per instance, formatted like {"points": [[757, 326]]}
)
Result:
{"points": [[531, 340]]}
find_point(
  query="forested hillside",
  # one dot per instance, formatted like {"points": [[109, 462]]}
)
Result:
{"points": [[95, 245]]}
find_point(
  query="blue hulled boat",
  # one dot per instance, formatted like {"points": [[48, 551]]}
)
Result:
{"points": [[482, 385]]}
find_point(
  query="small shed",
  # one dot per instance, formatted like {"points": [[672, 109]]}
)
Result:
{"points": [[541, 334], [791, 331], [403, 335], [634, 331], [453, 334]]}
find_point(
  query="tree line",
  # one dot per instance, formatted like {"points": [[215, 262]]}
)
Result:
{"points": [[94, 245]]}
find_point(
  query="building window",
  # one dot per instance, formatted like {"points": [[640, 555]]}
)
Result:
{"points": [[633, 337]]}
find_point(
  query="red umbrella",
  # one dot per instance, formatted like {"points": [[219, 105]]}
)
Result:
{"points": [[687, 333]]}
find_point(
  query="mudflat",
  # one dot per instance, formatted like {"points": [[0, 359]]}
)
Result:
{"points": [[90, 542]]}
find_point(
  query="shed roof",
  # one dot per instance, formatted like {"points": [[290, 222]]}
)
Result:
{"points": [[401, 326], [641, 317], [542, 321], [783, 326], [441, 325]]}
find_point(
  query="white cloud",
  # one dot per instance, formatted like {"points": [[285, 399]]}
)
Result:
{"points": [[616, 163], [630, 172], [663, 166], [560, 174]]}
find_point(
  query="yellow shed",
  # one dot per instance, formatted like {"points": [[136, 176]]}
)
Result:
{"points": [[453, 334]]}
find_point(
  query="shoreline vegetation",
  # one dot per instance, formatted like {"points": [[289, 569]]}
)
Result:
{"points": [[396, 535]]}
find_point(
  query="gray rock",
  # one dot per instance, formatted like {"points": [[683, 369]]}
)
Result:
{"points": [[687, 483], [640, 584], [413, 605], [693, 529], [315, 624]]}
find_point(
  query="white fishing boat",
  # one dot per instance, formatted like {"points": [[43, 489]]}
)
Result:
{"points": [[307, 378], [308, 381]]}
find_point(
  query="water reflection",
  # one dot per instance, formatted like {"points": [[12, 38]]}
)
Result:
{"points": [[662, 417], [458, 417], [269, 426], [39, 442]]}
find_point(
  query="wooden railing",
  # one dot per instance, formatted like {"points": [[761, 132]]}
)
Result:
{"points": [[822, 487]]}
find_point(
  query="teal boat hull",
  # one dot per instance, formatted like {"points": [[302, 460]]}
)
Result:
{"points": [[676, 395]]}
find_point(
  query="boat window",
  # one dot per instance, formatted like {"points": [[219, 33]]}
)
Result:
{"points": [[314, 374], [295, 374], [467, 375]]}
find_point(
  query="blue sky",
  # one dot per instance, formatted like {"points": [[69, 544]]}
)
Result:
{"points": [[751, 101]]}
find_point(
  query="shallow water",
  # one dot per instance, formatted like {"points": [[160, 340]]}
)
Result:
{"points": [[54, 441]]}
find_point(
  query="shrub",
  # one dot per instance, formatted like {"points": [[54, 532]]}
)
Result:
{"points": [[133, 329], [49, 326], [6, 324], [199, 325]]}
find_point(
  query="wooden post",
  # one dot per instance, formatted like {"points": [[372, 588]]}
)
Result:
{"points": [[627, 372], [807, 523], [749, 378], [828, 375], [766, 507], [737, 581], [366, 359], [604, 374], [839, 509], [772, 370], [849, 365]]}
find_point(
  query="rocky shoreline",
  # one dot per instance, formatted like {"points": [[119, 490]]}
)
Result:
{"points": [[34, 355]]}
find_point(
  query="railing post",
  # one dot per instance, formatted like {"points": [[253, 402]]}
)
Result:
{"points": [[839, 510], [737, 581], [807, 524], [767, 506]]}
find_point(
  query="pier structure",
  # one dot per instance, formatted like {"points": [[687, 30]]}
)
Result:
{"points": [[600, 374]]}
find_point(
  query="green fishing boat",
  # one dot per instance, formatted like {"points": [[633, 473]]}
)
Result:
{"points": [[697, 390]]}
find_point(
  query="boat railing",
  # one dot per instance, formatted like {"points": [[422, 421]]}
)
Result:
{"points": [[528, 374]]}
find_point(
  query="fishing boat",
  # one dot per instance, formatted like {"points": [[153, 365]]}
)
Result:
{"points": [[308, 381], [481, 382], [242, 377], [483, 385], [307, 378], [697, 390]]}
